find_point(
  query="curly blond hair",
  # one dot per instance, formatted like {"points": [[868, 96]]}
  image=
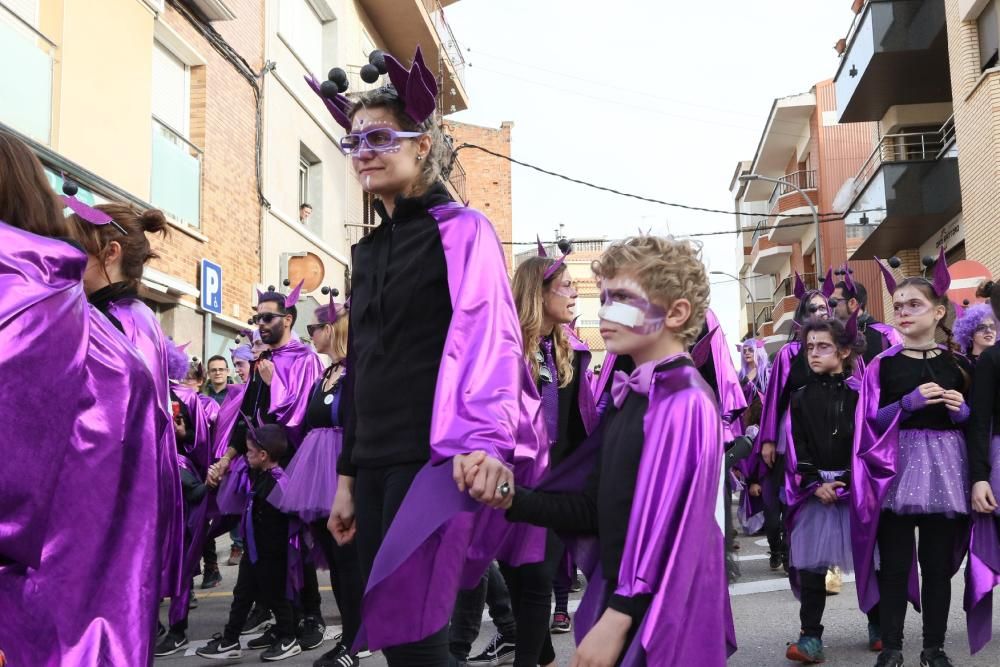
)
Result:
{"points": [[667, 269]]}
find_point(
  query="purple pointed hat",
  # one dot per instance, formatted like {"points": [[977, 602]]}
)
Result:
{"points": [[85, 212], [416, 86], [887, 276], [942, 276], [849, 281], [333, 311], [828, 284], [800, 287], [293, 296], [273, 295]]}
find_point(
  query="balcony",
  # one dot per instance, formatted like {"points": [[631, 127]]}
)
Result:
{"points": [[25, 78], [175, 185], [907, 189], [762, 325], [785, 302], [790, 208], [767, 257], [404, 24], [890, 42]]}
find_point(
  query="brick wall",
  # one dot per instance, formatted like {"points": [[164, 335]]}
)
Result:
{"points": [[223, 124], [977, 131], [487, 178]]}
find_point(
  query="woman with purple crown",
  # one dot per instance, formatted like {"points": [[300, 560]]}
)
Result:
{"points": [[910, 470], [78, 507], [435, 369]]}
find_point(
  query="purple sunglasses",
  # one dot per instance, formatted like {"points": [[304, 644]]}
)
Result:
{"points": [[378, 140]]}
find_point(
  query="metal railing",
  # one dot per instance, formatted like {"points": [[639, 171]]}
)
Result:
{"points": [[759, 230], [457, 179], [355, 232], [906, 147], [763, 317], [447, 38], [175, 176], [26, 77], [786, 287], [805, 180]]}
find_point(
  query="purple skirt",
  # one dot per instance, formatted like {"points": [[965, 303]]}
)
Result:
{"points": [[821, 537], [932, 474], [311, 477]]}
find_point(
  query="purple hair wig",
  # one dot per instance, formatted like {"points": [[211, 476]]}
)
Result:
{"points": [[965, 326]]}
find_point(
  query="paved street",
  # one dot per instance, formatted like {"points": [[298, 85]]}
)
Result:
{"points": [[766, 618]]}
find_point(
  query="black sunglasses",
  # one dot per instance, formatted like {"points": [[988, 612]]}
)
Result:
{"points": [[266, 318], [311, 329]]}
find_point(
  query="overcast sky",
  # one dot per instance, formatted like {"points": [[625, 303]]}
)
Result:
{"points": [[660, 99]]}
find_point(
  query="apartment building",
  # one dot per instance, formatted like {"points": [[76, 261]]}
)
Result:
{"points": [[804, 158]]}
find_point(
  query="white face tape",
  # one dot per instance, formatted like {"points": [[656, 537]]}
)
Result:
{"points": [[622, 313]]}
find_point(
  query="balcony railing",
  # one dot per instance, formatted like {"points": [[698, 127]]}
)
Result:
{"points": [[763, 316], [804, 180], [356, 232], [448, 42], [759, 230], [907, 147], [26, 77], [176, 175], [787, 286]]}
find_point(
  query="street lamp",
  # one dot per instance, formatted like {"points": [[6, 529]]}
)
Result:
{"points": [[745, 178], [753, 305]]}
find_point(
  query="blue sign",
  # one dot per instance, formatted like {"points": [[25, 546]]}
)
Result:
{"points": [[211, 287]]}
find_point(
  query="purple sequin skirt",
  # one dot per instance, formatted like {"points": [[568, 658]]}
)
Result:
{"points": [[821, 537], [932, 474], [311, 477]]}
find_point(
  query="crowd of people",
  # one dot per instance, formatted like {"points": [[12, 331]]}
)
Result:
{"points": [[457, 451]]}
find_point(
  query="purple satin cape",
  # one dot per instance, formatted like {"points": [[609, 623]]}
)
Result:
{"points": [[889, 333], [982, 575], [225, 420], [478, 405], [296, 369], [143, 330], [104, 526], [770, 419], [873, 466], [42, 306], [674, 549], [732, 401]]}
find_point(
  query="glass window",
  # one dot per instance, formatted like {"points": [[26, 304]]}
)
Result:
{"points": [[171, 86], [989, 36], [302, 29]]}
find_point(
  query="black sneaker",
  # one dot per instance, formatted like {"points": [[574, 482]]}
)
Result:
{"points": [[774, 561], [220, 648], [498, 652], [934, 657], [211, 578], [561, 623], [170, 644], [266, 640], [890, 658], [281, 650], [258, 621], [310, 632], [339, 656]]}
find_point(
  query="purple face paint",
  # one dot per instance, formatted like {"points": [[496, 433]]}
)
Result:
{"points": [[625, 302]]}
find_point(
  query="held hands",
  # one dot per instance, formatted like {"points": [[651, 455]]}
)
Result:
{"points": [[487, 479], [266, 369], [827, 492], [217, 471], [768, 452], [983, 500], [604, 643]]}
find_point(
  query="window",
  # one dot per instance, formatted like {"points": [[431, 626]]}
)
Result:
{"points": [[311, 188], [989, 36], [171, 90], [303, 182], [302, 29]]}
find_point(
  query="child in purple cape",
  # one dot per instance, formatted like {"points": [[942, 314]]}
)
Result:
{"points": [[651, 492], [983, 570], [818, 476], [910, 470]]}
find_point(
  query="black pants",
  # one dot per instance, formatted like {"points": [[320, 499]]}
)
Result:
{"points": [[209, 555], [812, 602], [935, 553], [562, 582], [378, 495], [345, 579], [774, 509], [263, 581], [468, 615], [530, 589]]}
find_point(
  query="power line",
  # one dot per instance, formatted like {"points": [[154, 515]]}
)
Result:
{"points": [[830, 216]]}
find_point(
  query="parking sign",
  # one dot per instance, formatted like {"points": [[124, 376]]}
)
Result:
{"points": [[211, 287]]}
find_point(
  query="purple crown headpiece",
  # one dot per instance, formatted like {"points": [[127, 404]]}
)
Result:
{"points": [[940, 282], [849, 281], [564, 247], [828, 284], [330, 313], [415, 86], [85, 212], [273, 295]]}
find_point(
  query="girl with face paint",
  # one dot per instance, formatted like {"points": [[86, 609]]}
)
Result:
{"points": [[911, 470], [624, 487]]}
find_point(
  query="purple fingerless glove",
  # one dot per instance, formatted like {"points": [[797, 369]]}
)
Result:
{"points": [[886, 415], [961, 416], [913, 401]]}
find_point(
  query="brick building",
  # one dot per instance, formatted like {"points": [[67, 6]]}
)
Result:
{"points": [[486, 179]]}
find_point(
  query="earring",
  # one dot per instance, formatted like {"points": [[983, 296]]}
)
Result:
{"points": [[419, 158]]}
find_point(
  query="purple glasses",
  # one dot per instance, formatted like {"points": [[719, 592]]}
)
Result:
{"points": [[377, 140]]}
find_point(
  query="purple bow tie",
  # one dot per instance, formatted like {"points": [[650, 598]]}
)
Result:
{"points": [[638, 382]]}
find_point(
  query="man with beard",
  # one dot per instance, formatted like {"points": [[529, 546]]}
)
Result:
{"points": [[849, 297], [277, 393]]}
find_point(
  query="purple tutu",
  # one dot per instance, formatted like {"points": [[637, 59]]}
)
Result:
{"points": [[234, 490], [995, 468], [311, 477], [932, 474], [821, 537]]}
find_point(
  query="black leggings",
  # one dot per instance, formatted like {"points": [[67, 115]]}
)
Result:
{"points": [[530, 589], [774, 509], [345, 579], [378, 495], [812, 602], [935, 553]]}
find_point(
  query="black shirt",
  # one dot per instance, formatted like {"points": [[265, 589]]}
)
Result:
{"points": [[270, 525], [823, 426], [985, 418], [571, 429], [319, 412], [875, 342], [218, 397], [900, 374], [400, 314]]}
